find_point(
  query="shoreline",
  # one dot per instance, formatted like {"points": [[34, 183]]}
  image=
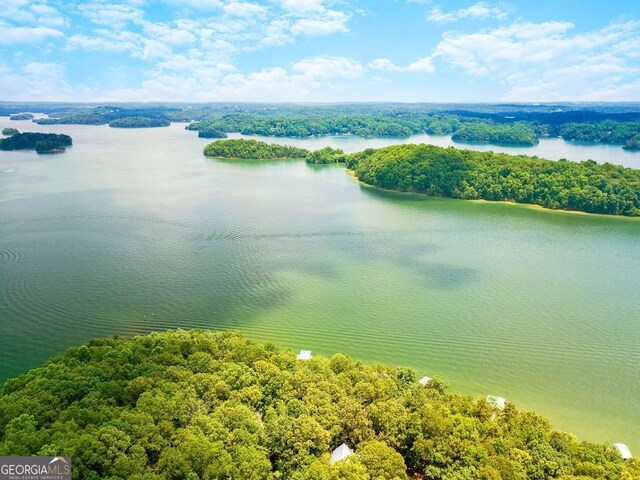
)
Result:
{"points": [[530, 206]]}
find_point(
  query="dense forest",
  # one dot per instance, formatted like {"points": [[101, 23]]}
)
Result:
{"points": [[326, 155], [49, 146], [252, 149], [9, 131], [193, 404], [139, 122], [41, 142], [515, 134], [585, 186]]}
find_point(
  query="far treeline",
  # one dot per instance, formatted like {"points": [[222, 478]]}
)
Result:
{"points": [[507, 124], [449, 172], [463, 129], [205, 405], [40, 142], [139, 122]]}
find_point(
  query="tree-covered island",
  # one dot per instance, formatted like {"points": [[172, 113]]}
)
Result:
{"points": [[466, 174], [40, 142], [22, 116], [207, 405], [9, 131], [252, 150]]}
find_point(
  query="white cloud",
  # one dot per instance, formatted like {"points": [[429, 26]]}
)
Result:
{"points": [[277, 33], [154, 49], [479, 10], [546, 62], [29, 21], [183, 78], [424, 64], [331, 22], [302, 6], [179, 33], [328, 67], [245, 9], [27, 35], [37, 81], [237, 26], [312, 18], [47, 15], [199, 4], [197, 65], [108, 41], [111, 15]]}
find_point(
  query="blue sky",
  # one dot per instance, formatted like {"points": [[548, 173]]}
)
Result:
{"points": [[320, 50]]}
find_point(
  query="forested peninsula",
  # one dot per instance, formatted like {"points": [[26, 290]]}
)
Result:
{"points": [[633, 143], [194, 404], [22, 116], [40, 142], [449, 172]]}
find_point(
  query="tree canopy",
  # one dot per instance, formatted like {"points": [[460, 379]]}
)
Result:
{"points": [[608, 131], [252, 149], [585, 186], [211, 133], [633, 143], [326, 155], [194, 404], [9, 131], [515, 134]]}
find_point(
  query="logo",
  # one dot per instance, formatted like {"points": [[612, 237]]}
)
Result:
{"points": [[35, 468]]}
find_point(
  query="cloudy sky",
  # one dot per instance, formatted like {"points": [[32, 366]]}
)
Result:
{"points": [[320, 50]]}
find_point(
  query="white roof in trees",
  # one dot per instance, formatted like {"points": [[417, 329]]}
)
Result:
{"points": [[425, 380], [496, 401], [304, 355], [624, 450], [340, 453]]}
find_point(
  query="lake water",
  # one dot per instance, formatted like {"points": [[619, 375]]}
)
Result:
{"points": [[134, 230]]}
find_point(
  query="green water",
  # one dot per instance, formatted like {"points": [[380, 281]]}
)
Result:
{"points": [[134, 230]]}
